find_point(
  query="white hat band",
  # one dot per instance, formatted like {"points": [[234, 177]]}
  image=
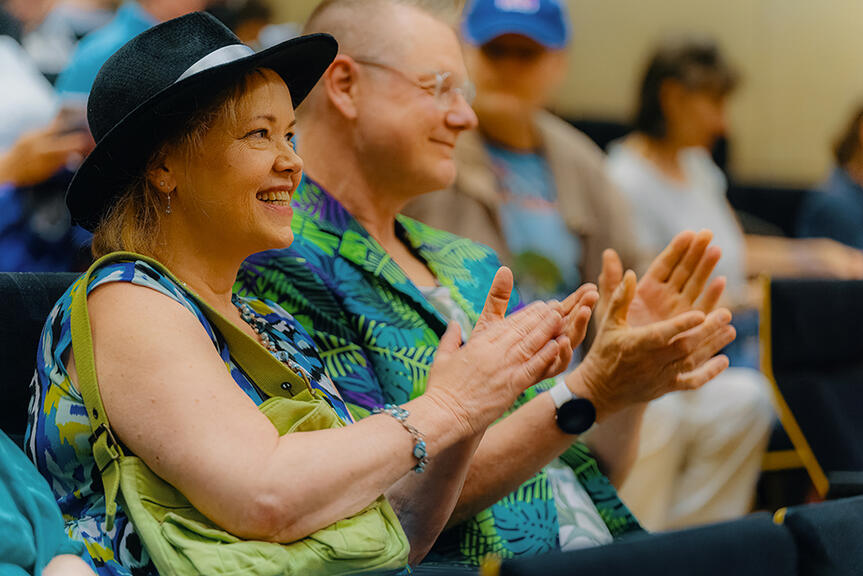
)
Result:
{"points": [[215, 58]]}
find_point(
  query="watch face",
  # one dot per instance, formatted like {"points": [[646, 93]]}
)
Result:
{"points": [[576, 416]]}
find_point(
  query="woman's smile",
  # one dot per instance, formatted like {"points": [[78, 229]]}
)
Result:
{"points": [[277, 195]]}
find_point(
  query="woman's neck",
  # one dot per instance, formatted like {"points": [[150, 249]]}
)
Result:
{"points": [[211, 277], [664, 154]]}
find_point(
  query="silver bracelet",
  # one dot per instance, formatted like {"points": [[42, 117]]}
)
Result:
{"points": [[420, 452]]}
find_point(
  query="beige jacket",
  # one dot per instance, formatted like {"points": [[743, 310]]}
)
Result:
{"points": [[590, 204]]}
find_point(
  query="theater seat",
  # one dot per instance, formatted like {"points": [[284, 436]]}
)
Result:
{"points": [[828, 537], [750, 546], [25, 301], [812, 352]]}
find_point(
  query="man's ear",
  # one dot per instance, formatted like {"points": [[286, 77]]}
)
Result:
{"points": [[340, 82]]}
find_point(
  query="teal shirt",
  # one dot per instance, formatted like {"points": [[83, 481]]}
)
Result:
{"points": [[377, 335], [31, 527], [59, 432]]}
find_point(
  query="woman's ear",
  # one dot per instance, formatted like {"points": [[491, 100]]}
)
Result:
{"points": [[161, 177], [340, 83]]}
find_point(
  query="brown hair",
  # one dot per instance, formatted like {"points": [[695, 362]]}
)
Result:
{"points": [[848, 144], [132, 223], [697, 64]]}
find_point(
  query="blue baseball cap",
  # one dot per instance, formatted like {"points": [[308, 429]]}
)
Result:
{"points": [[544, 21]]}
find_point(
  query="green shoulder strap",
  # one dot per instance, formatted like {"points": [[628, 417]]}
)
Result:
{"points": [[273, 377]]}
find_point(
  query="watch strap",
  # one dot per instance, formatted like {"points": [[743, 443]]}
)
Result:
{"points": [[560, 393]]}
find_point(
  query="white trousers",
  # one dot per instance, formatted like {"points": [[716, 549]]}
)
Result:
{"points": [[700, 452]]}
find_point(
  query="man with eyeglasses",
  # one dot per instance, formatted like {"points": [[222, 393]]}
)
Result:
{"points": [[377, 291]]}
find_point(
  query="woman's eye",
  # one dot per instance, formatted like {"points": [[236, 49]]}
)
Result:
{"points": [[289, 137], [262, 133]]}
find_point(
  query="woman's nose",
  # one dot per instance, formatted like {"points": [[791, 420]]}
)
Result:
{"points": [[288, 160]]}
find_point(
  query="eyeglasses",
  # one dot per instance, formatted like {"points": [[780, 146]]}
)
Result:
{"points": [[443, 88]]}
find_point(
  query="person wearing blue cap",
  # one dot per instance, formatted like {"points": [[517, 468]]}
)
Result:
{"points": [[528, 184], [132, 18], [537, 191]]}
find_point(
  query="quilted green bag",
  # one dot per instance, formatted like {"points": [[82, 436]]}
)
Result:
{"points": [[182, 541]]}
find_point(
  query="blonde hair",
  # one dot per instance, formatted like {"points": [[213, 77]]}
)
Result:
{"points": [[133, 222]]}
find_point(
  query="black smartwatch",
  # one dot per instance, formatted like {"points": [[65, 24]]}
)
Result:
{"points": [[575, 415]]}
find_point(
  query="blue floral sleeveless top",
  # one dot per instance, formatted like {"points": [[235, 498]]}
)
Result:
{"points": [[58, 436]]}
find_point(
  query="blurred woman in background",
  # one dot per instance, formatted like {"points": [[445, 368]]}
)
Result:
{"points": [[700, 453]]}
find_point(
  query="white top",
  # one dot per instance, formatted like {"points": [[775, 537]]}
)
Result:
{"points": [[27, 100], [662, 207]]}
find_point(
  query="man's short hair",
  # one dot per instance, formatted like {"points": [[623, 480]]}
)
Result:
{"points": [[352, 22]]}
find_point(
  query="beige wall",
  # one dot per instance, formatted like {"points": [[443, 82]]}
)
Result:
{"points": [[802, 62], [293, 10]]}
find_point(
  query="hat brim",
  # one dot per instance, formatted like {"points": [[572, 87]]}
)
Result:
{"points": [[120, 156]]}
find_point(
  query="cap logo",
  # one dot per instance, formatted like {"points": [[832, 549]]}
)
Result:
{"points": [[217, 57], [522, 6]]}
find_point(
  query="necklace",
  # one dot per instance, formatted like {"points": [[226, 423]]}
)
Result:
{"points": [[259, 325]]}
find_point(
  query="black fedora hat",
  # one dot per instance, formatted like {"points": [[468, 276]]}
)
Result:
{"points": [[156, 81]]}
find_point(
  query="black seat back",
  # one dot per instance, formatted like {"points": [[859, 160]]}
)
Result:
{"points": [[814, 349], [751, 546], [828, 537], [25, 301]]}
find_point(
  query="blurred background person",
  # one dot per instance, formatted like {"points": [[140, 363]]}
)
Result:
{"points": [[528, 184], [27, 100], [132, 18], [835, 209], [38, 145], [36, 231], [52, 41], [665, 169]]}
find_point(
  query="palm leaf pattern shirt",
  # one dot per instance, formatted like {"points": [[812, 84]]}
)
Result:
{"points": [[58, 435], [377, 336]]}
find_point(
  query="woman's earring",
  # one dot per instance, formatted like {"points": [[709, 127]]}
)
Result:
{"points": [[168, 207]]}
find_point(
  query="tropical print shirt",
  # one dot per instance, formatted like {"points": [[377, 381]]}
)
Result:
{"points": [[58, 436], [377, 336]]}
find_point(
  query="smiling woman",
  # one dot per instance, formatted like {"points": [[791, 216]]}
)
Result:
{"points": [[210, 410], [134, 221]]}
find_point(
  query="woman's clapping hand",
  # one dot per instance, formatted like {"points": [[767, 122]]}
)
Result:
{"points": [[505, 356]]}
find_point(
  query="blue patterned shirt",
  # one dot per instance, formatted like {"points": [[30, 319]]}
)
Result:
{"points": [[58, 436]]}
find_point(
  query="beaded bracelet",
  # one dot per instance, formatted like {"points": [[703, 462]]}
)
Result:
{"points": [[419, 451]]}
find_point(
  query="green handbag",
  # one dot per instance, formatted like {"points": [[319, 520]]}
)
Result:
{"points": [[182, 541]]}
